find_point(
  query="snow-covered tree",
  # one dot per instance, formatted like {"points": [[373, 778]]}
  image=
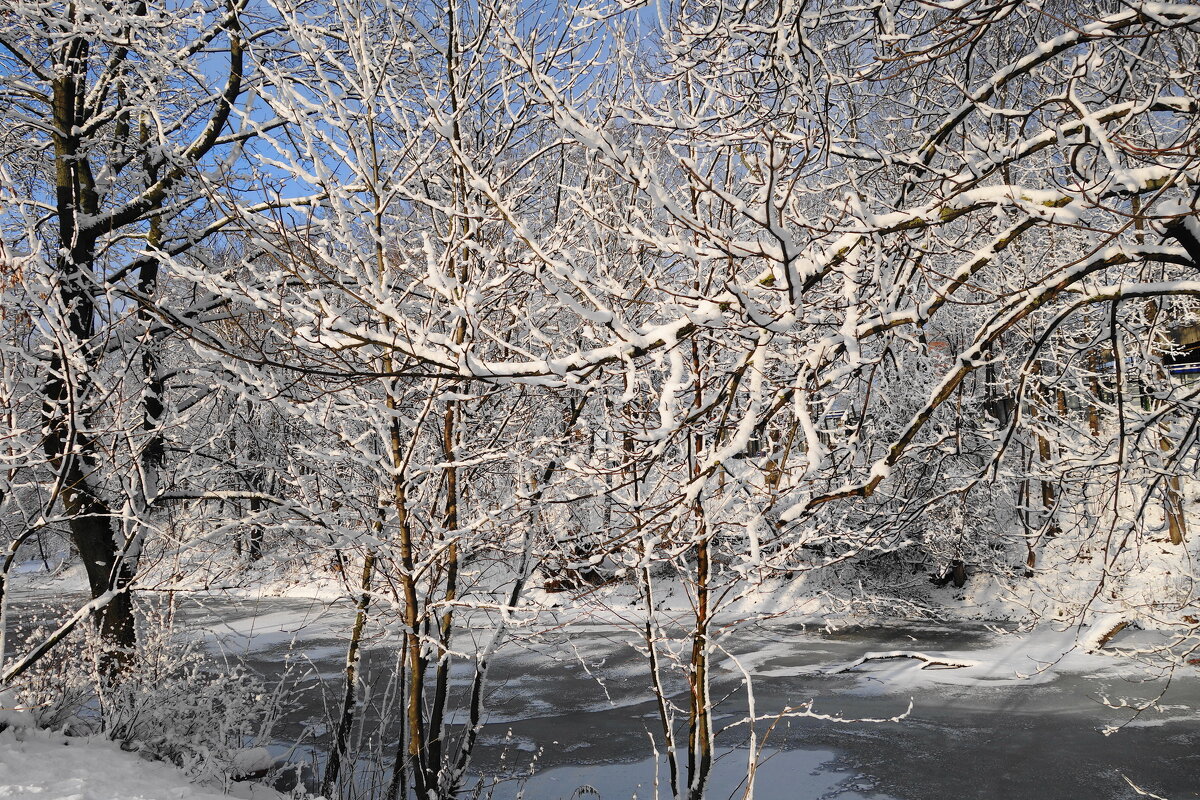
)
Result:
{"points": [[122, 121]]}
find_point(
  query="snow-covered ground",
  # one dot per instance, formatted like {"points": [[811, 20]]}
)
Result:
{"points": [[42, 765]]}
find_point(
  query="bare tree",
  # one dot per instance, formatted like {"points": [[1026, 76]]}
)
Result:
{"points": [[119, 130]]}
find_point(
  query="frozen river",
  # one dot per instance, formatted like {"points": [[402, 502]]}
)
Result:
{"points": [[573, 706], [1024, 722]]}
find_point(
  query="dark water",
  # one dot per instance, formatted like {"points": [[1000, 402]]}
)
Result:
{"points": [[574, 707]]}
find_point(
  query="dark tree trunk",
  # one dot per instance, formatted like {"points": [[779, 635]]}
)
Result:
{"points": [[70, 450]]}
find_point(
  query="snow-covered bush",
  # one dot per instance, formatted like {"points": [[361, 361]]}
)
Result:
{"points": [[173, 702], [54, 692], [170, 700]]}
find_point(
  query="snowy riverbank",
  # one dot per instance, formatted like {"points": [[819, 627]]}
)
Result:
{"points": [[43, 765], [569, 698]]}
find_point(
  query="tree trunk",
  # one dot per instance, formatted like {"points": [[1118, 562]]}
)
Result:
{"points": [[350, 697]]}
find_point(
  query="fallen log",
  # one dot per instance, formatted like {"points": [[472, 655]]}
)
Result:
{"points": [[937, 662], [1102, 632]]}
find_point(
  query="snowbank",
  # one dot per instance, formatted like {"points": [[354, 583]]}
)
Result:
{"points": [[51, 766]]}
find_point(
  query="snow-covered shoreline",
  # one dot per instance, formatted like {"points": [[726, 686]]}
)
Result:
{"points": [[49, 765], [999, 657]]}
